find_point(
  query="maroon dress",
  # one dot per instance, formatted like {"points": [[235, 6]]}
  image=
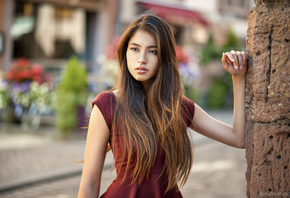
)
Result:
{"points": [[156, 185]]}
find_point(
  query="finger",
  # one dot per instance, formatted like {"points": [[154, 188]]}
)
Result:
{"points": [[236, 62], [240, 59], [231, 58], [226, 61], [244, 55]]}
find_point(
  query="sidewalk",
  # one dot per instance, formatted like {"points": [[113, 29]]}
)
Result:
{"points": [[50, 170], [27, 158]]}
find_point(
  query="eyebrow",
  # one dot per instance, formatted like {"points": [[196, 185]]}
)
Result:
{"points": [[150, 46]]}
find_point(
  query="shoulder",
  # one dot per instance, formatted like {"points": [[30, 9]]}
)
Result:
{"points": [[103, 98], [188, 109], [105, 95], [187, 102], [106, 102]]}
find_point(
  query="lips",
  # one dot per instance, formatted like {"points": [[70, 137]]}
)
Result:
{"points": [[141, 70]]}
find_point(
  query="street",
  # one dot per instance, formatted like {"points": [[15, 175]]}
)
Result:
{"points": [[48, 169]]}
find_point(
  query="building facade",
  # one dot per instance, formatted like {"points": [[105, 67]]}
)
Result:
{"points": [[50, 31]]}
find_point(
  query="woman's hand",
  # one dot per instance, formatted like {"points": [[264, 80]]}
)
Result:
{"points": [[235, 63]]}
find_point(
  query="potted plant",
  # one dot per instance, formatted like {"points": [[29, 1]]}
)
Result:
{"points": [[26, 88], [71, 95]]}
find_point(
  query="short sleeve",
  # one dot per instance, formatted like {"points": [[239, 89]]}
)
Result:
{"points": [[188, 109], [105, 101]]}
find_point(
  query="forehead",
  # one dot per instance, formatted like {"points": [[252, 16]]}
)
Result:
{"points": [[142, 38]]}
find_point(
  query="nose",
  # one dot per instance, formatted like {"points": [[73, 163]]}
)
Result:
{"points": [[142, 59]]}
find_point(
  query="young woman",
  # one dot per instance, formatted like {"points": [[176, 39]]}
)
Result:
{"points": [[145, 119]]}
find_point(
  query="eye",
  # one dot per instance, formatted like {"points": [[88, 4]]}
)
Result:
{"points": [[153, 52], [134, 49]]}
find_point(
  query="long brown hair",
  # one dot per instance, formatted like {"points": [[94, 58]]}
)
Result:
{"points": [[153, 116]]}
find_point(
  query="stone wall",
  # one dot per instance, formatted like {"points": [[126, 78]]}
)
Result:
{"points": [[268, 100]]}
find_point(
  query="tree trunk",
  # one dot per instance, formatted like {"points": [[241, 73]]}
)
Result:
{"points": [[268, 100]]}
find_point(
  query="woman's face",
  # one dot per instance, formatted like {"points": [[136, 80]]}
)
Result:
{"points": [[142, 59]]}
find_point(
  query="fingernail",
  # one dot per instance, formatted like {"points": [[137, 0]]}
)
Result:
{"points": [[241, 67], [236, 67]]}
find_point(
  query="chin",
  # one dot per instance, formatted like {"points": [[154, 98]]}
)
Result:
{"points": [[141, 78]]}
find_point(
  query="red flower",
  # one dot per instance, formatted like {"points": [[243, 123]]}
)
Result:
{"points": [[22, 71], [37, 79], [180, 55], [10, 75], [23, 63], [47, 77], [111, 49], [24, 75], [37, 70]]}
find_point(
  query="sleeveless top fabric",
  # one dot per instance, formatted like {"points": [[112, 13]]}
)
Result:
{"points": [[156, 184]]}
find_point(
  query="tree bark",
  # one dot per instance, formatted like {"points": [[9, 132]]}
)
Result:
{"points": [[268, 100]]}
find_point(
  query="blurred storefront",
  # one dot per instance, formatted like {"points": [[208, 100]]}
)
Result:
{"points": [[180, 17], [53, 30], [50, 31]]}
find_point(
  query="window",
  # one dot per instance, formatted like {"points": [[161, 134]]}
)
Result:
{"points": [[238, 8], [48, 31]]}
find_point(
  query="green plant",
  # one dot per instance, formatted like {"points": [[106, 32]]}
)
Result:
{"points": [[192, 93], [70, 94], [209, 51], [232, 42], [219, 89]]}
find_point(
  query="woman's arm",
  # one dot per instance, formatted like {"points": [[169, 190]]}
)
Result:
{"points": [[96, 146], [236, 64]]}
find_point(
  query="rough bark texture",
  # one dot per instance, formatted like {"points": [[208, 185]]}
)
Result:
{"points": [[268, 100]]}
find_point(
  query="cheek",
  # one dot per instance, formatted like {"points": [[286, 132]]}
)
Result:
{"points": [[130, 58], [129, 62], [156, 66]]}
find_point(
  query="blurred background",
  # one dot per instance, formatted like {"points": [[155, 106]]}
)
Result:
{"points": [[57, 55]]}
